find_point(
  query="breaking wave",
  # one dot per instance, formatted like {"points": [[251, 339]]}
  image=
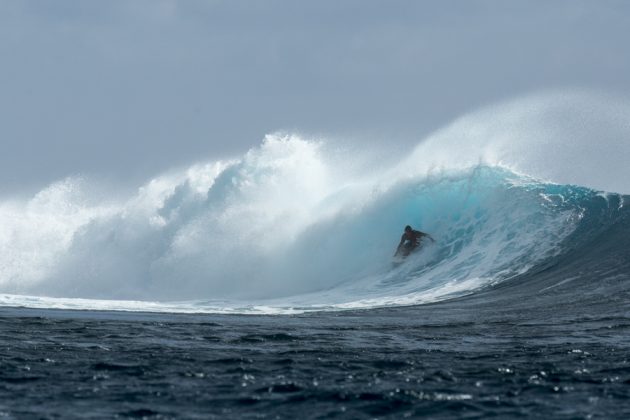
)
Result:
{"points": [[290, 227]]}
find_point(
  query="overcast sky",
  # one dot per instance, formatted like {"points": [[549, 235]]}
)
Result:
{"points": [[125, 89]]}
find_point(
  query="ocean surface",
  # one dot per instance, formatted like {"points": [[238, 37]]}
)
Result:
{"points": [[263, 287]]}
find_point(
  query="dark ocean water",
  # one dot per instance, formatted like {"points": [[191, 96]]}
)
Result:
{"points": [[440, 361]]}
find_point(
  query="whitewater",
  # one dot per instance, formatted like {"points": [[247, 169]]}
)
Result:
{"points": [[297, 224]]}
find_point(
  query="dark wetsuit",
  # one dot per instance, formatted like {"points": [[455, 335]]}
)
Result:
{"points": [[409, 241]]}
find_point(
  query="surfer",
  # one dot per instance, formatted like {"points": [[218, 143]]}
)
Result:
{"points": [[410, 241]]}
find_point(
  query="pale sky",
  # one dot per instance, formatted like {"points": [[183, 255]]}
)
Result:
{"points": [[125, 89]]}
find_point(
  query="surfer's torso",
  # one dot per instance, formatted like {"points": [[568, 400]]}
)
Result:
{"points": [[411, 239]]}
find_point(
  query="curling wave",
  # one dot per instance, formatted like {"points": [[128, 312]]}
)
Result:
{"points": [[288, 228], [268, 231]]}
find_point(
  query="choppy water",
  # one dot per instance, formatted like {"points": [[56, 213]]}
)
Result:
{"points": [[459, 359]]}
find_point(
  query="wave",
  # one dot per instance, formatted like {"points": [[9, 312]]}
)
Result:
{"points": [[260, 233], [290, 227]]}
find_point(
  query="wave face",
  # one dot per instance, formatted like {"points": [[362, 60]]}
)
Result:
{"points": [[291, 226]]}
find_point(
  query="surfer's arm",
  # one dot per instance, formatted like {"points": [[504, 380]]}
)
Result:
{"points": [[423, 234]]}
